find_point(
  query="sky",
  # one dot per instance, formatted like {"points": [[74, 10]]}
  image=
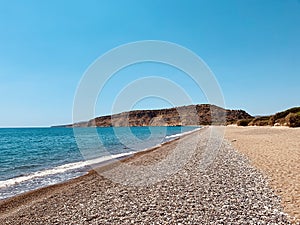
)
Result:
{"points": [[251, 46]]}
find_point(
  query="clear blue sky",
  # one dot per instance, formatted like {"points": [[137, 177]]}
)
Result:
{"points": [[252, 46]]}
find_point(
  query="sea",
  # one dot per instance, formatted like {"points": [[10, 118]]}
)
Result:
{"points": [[31, 158]]}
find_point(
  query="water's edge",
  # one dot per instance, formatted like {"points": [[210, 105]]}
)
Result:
{"points": [[72, 170]]}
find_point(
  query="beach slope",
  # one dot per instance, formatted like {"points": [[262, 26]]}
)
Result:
{"points": [[229, 190]]}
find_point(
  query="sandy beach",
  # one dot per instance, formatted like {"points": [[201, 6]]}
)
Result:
{"points": [[230, 190], [276, 152]]}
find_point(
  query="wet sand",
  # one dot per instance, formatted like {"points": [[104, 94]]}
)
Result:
{"points": [[276, 152]]}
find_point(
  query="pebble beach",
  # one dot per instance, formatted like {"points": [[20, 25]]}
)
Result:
{"points": [[229, 190], [276, 152]]}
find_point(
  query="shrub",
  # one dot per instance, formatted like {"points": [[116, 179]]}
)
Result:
{"points": [[271, 121], [293, 120], [243, 122], [286, 113], [260, 121]]}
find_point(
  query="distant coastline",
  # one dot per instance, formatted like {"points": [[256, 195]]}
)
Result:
{"points": [[179, 116]]}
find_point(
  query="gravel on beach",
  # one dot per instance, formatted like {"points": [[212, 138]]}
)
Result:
{"points": [[228, 191], [275, 151]]}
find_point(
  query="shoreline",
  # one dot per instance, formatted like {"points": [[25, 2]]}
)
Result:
{"points": [[22, 197], [188, 195], [99, 162]]}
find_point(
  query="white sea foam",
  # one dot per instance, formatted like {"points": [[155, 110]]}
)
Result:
{"points": [[174, 136], [60, 169], [81, 164], [171, 138]]}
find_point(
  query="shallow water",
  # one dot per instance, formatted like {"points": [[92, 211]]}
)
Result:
{"points": [[36, 157]]}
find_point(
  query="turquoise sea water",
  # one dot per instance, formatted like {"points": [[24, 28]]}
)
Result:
{"points": [[36, 157]]}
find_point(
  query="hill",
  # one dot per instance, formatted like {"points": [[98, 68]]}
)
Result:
{"points": [[180, 116], [290, 117]]}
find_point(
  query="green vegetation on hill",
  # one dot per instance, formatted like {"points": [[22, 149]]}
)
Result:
{"points": [[260, 121], [243, 122], [290, 117]]}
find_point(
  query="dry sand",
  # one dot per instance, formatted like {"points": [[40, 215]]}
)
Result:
{"points": [[276, 152], [228, 191]]}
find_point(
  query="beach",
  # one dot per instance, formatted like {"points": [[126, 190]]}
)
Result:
{"points": [[276, 152], [237, 186]]}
